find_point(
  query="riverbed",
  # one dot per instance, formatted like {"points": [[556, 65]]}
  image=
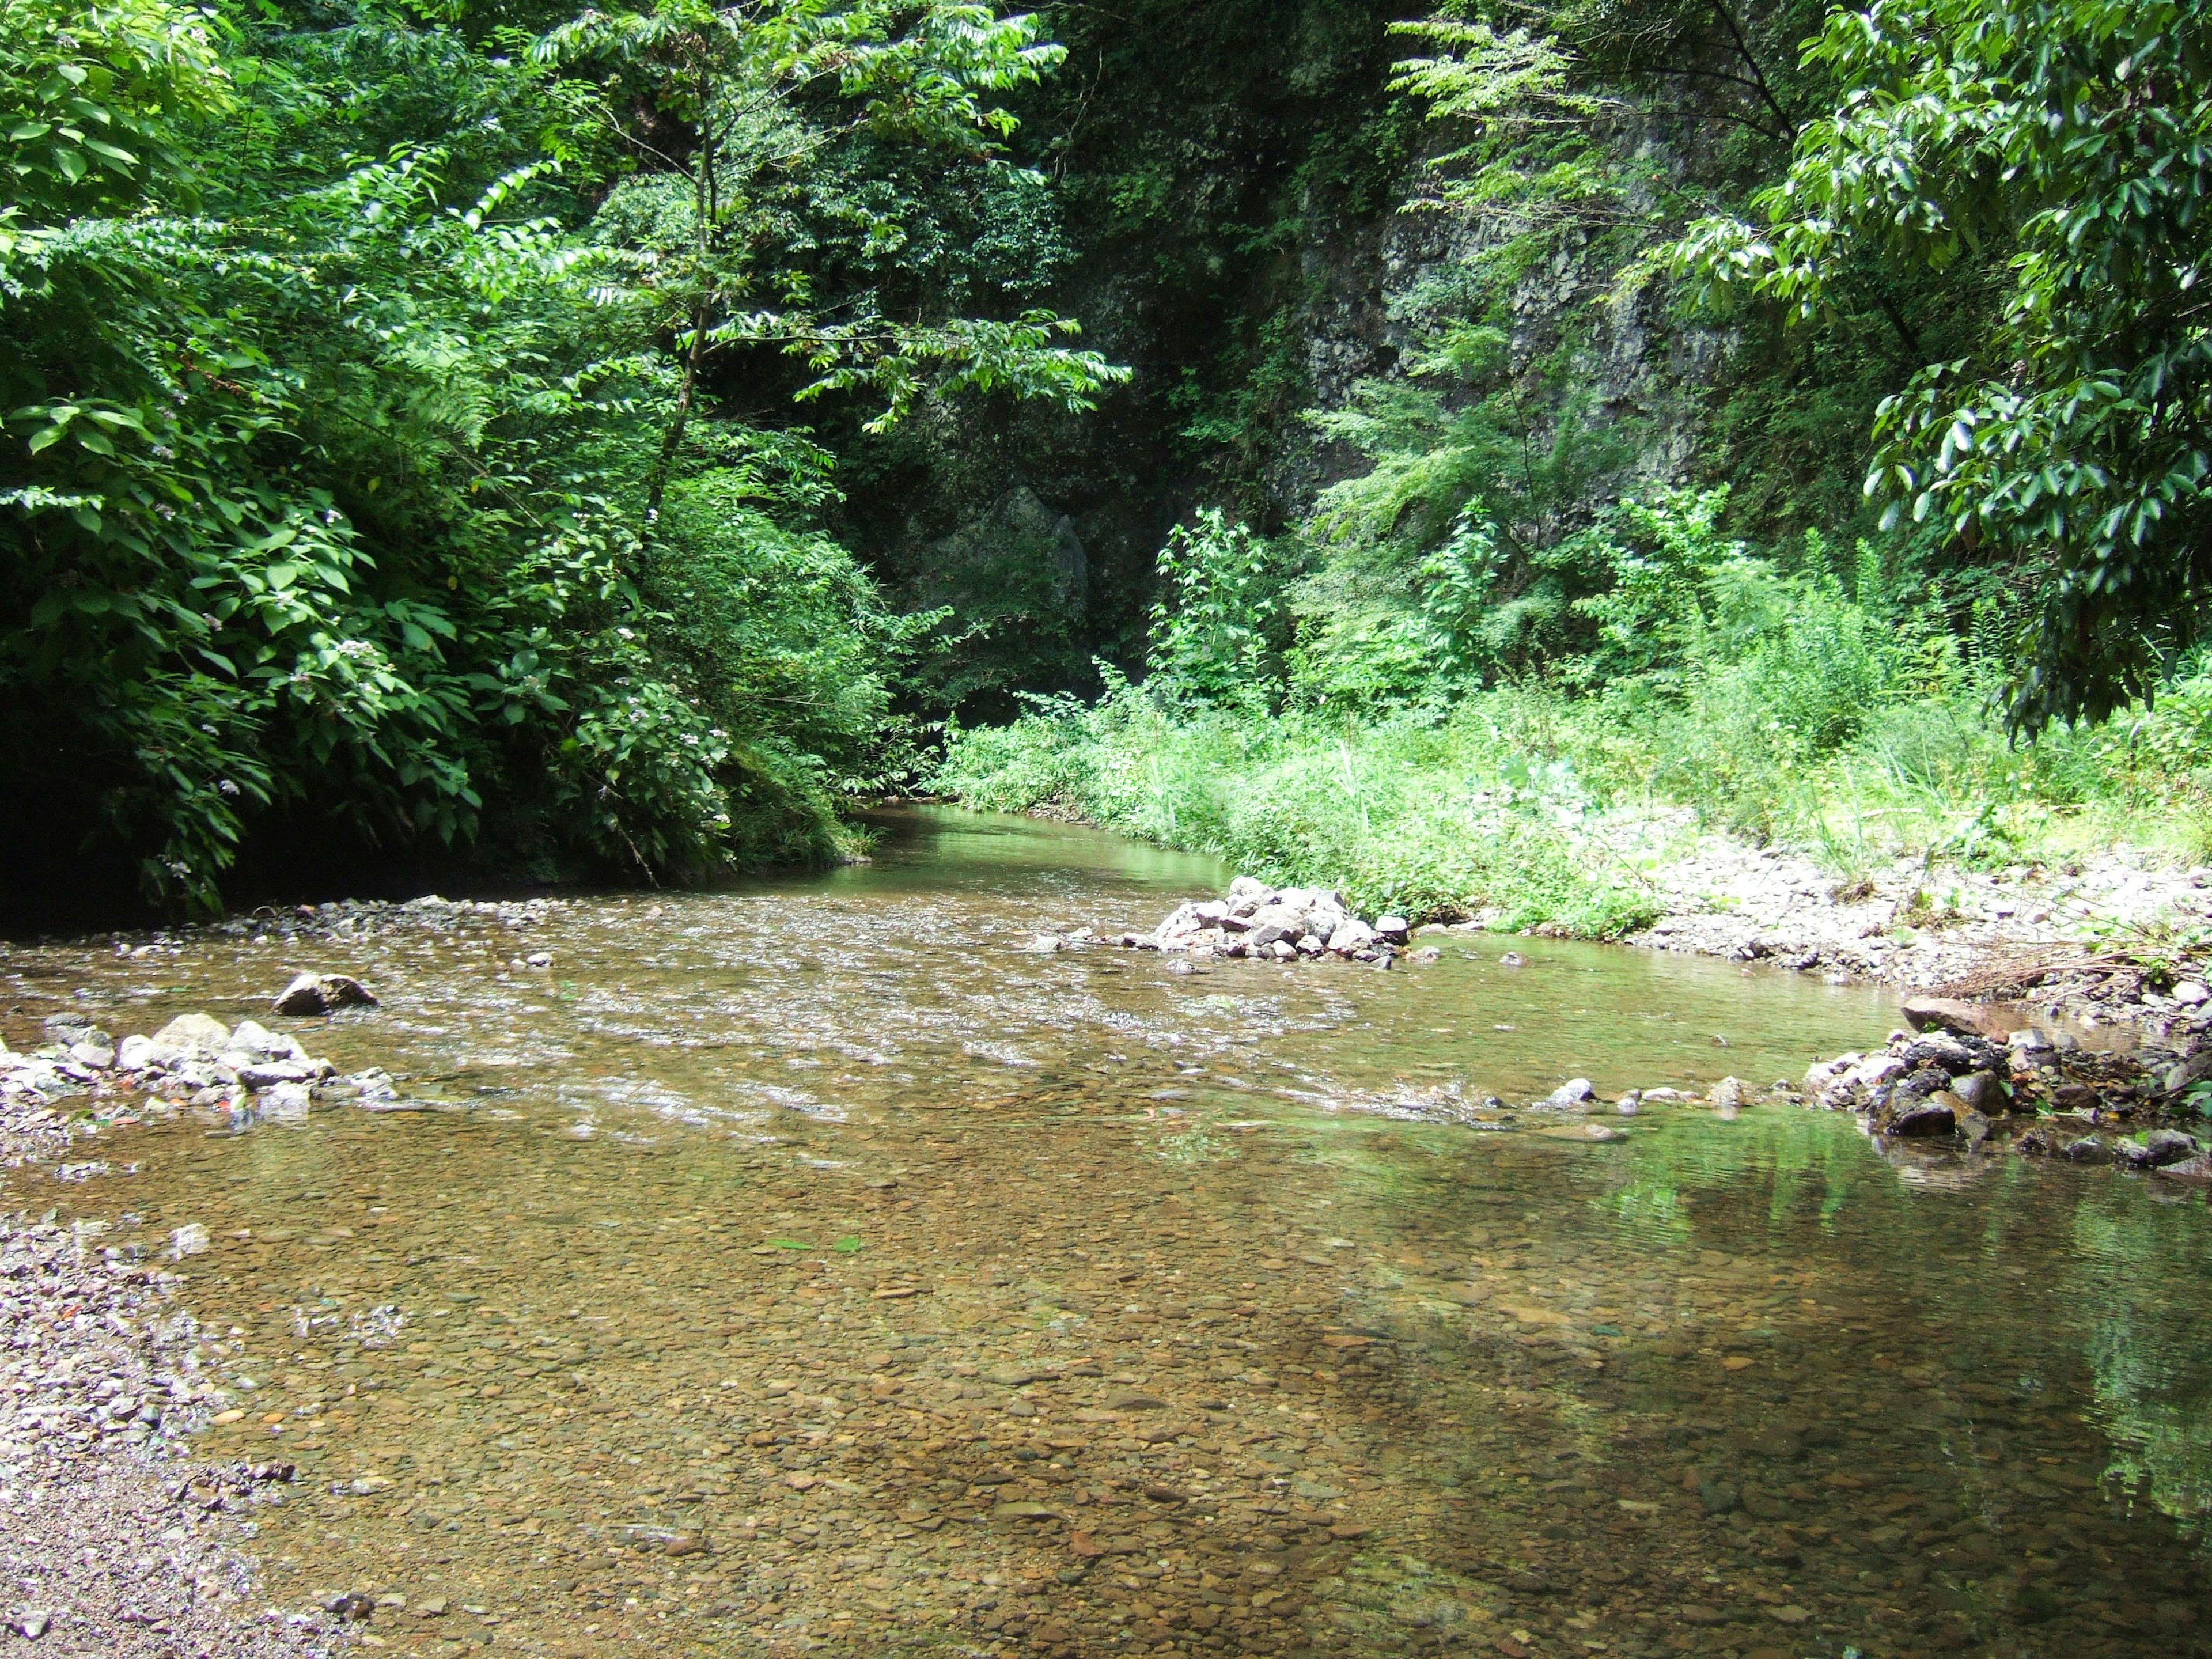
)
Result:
{"points": [[808, 1266]]}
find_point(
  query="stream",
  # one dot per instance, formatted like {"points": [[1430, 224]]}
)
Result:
{"points": [[804, 1266]]}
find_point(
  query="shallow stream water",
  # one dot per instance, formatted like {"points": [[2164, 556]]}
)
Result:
{"points": [[804, 1266]]}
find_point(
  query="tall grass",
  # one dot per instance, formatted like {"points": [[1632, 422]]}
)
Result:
{"points": [[1404, 761], [1515, 805]]}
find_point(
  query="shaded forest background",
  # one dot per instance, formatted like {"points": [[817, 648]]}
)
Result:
{"points": [[483, 439]]}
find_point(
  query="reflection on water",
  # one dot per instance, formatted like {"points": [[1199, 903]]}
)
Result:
{"points": [[804, 1265]]}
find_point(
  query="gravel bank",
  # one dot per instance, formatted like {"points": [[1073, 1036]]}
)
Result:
{"points": [[1907, 923], [116, 1541]]}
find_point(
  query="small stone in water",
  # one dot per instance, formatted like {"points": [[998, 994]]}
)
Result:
{"points": [[319, 994]]}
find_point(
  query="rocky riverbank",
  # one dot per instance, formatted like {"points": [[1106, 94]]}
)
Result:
{"points": [[1913, 923], [109, 1377], [2076, 1019], [116, 1541]]}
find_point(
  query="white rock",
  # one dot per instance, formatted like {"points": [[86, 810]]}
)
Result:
{"points": [[190, 1239], [1873, 1074], [188, 1033], [287, 1103], [2189, 993], [1352, 935], [253, 1038]]}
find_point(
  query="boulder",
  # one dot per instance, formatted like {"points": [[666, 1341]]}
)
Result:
{"points": [[1935, 1114], [257, 1041], [320, 993], [1982, 1091], [2198, 1167], [287, 1103], [2087, 1150], [193, 1033], [1352, 935], [1393, 930], [1728, 1094], [2184, 1072], [1183, 920], [73, 1031], [2155, 1149], [1575, 1091], [139, 1053]]}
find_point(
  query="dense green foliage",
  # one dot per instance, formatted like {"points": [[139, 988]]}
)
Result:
{"points": [[1498, 642], [1843, 716], [537, 442], [2068, 143], [350, 364]]}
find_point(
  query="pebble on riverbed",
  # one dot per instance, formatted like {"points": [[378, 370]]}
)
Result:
{"points": [[105, 1378], [1278, 924]]}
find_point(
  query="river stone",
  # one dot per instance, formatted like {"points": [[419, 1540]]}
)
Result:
{"points": [[1728, 1094], [2198, 1167], [256, 1040], [1575, 1091], [2155, 1149], [189, 1033], [272, 1073], [287, 1103], [1936, 1114], [1982, 1091], [319, 994], [1960, 1019], [2087, 1150], [1354, 935], [1393, 929]]}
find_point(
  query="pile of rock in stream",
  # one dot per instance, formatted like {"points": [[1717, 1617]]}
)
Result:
{"points": [[1278, 924], [1968, 1073], [237, 1075]]}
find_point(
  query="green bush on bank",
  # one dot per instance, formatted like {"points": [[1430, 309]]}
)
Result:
{"points": [[1782, 705]]}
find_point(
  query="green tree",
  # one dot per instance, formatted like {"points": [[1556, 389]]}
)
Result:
{"points": [[759, 93], [337, 441], [1218, 605], [2066, 144]]}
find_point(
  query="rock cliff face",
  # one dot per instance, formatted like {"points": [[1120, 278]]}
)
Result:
{"points": [[1377, 287], [1252, 212]]}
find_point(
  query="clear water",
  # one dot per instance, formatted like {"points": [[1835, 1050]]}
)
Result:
{"points": [[804, 1266]]}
